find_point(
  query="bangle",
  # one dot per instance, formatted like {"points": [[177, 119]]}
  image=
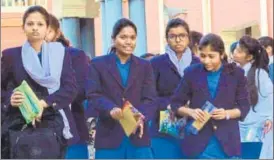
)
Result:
{"points": [[227, 117]]}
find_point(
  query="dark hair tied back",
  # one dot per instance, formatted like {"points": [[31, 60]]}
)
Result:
{"points": [[39, 9], [260, 62], [118, 26]]}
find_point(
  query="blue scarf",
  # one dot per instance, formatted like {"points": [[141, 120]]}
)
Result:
{"points": [[181, 64], [48, 73]]}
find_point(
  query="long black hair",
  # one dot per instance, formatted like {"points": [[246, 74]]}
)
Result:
{"points": [[55, 25], [195, 38], [260, 61], [119, 25], [266, 41]]}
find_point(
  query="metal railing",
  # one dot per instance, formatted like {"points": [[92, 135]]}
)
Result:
{"points": [[19, 6]]}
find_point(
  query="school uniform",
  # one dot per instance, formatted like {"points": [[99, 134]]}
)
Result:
{"points": [[225, 88], [13, 71], [271, 68], [167, 75], [80, 64], [109, 83], [263, 111]]}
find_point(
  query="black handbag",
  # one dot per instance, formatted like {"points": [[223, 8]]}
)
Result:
{"points": [[34, 143]]}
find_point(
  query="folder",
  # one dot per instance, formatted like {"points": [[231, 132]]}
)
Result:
{"points": [[30, 108], [195, 126], [128, 122]]}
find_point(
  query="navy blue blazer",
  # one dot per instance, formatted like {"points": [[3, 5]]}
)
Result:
{"points": [[231, 93], [80, 63], [167, 79], [12, 71], [105, 91]]}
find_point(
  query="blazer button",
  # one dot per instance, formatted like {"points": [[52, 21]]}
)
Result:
{"points": [[54, 104], [215, 127]]}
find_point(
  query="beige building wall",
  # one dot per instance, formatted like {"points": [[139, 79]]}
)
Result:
{"points": [[194, 13], [270, 17]]}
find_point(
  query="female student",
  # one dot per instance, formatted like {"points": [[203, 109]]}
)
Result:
{"points": [[223, 85], [168, 70], [195, 38], [113, 79], [47, 69], [253, 58], [80, 64]]}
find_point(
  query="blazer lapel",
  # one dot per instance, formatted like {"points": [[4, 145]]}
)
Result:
{"points": [[21, 73], [133, 72], [202, 83], [172, 66], [113, 70]]}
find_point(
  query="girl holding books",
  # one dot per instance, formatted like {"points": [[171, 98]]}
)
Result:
{"points": [[113, 79], [224, 86], [47, 70], [168, 71], [80, 63], [252, 57]]}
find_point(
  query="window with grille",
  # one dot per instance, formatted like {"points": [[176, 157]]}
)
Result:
{"points": [[20, 5]]}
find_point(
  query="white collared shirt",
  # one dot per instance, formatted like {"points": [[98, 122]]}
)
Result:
{"points": [[270, 59]]}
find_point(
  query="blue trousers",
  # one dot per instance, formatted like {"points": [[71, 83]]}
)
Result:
{"points": [[125, 151], [166, 148], [251, 150], [77, 151]]}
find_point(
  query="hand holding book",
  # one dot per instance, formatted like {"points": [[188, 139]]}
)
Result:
{"points": [[140, 123], [116, 113], [16, 99], [200, 116], [219, 114], [131, 119], [30, 106]]}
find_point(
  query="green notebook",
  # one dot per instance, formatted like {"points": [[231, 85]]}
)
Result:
{"points": [[30, 107]]}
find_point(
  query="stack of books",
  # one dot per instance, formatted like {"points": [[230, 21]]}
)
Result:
{"points": [[30, 108]]}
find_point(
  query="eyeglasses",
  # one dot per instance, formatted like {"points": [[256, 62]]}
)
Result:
{"points": [[181, 37]]}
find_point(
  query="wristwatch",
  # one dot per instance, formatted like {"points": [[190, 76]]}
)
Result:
{"points": [[227, 117]]}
